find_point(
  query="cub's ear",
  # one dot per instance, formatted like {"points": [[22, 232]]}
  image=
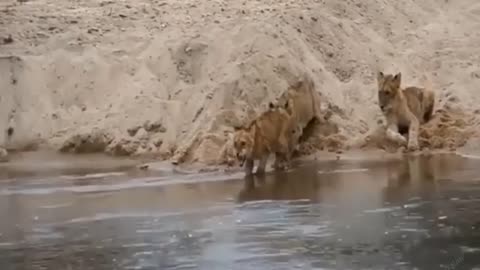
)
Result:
{"points": [[295, 85], [397, 79], [380, 76], [237, 128], [398, 76], [228, 134], [289, 105]]}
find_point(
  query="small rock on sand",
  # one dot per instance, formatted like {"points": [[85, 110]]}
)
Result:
{"points": [[3, 155]]}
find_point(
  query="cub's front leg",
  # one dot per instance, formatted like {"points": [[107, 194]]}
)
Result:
{"points": [[249, 166], [392, 132]]}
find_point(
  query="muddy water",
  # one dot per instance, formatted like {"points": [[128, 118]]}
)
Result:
{"points": [[412, 213]]}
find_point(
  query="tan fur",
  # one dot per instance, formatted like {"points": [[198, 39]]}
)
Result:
{"points": [[294, 128], [404, 109], [269, 133], [301, 102]]}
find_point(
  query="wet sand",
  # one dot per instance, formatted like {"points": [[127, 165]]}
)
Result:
{"points": [[411, 213]]}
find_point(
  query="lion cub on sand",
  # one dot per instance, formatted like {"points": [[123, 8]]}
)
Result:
{"points": [[271, 132], [404, 109]]}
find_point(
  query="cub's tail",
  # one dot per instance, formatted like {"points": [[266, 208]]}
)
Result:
{"points": [[428, 101], [427, 83]]}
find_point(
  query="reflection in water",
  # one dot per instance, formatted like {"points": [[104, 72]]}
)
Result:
{"points": [[280, 186], [331, 215], [413, 176]]}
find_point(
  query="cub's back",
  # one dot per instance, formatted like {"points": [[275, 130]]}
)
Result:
{"points": [[303, 103], [272, 121]]}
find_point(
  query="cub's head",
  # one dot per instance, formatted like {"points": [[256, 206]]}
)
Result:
{"points": [[388, 89], [284, 104], [243, 143]]}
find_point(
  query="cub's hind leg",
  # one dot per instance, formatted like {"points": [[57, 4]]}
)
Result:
{"points": [[428, 113], [413, 134], [282, 161]]}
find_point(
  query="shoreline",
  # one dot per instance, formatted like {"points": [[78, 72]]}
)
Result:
{"points": [[41, 162]]}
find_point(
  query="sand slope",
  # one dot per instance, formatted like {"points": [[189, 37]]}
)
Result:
{"points": [[170, 78]]}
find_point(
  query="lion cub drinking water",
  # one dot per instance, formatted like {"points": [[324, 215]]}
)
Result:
{"points": [[404, 109], [269, 133]]}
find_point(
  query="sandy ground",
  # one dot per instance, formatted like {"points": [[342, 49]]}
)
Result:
{"points": [[170, 78]]}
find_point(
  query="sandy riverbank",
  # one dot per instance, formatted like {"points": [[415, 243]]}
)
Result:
{"points": [[168, 79]]}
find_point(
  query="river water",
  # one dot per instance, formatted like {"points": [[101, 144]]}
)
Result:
{"points": [[411, 213]]}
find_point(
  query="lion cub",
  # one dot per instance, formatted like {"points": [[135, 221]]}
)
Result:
{"points": [[404, 109], [269, 133], [301, 102]]}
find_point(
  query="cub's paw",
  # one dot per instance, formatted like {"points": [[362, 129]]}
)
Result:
{"points": [[412, 147], [396, 137]]}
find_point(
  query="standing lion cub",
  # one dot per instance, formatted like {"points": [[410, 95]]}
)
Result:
{"points": [[404, 109], [269, 133], [301, 102]]}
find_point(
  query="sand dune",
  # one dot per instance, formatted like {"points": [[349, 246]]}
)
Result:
{"points": [[170, 78]]}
